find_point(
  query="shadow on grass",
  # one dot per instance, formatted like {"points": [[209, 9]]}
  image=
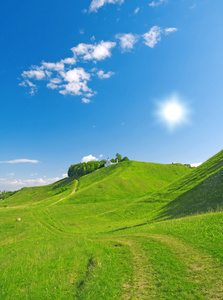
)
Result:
{"points": [[205, 197]]}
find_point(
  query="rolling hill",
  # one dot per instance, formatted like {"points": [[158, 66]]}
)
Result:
{"points": [[129, 231]]}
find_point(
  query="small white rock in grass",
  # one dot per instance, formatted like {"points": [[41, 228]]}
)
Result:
{"points": [[19, 219]]}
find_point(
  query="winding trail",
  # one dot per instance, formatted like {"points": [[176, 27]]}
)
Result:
{"points": [[74, 191], [203, 274]]}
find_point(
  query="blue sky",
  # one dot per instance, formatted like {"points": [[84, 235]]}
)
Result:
{"points": [[80, 78]]}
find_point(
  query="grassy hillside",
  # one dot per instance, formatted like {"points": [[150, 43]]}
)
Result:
{"points": [[35, 195], [107, 235], [200, 191], [125, 180]]}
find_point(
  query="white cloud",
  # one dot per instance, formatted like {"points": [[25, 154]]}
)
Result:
{"points": [[101, 155], [56, 80], [136, 10], [32, 86], [88, 158], [170, 30], [194, 165], [94, 52], [15, 184], [96, 4], [85, 100], [52, 86], [23, 160], [58, 66], [102, 75], [173, 112], [157, 3], [153, 36], [19, 183], [77, 82], [127, 40], [76, 75], [89, 95], [29, 83], [73, 88], [69, 61], [61, 75], [36, 73]]}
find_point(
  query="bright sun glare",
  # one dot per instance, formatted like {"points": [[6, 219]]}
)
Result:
{"points": [[172, 112]]}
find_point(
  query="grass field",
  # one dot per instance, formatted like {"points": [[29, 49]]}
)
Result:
{"points": [[130, 231]]}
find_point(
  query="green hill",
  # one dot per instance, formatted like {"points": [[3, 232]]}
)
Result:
{"points": [[125, 180], [200, 191], [34, 195], [129, 231]]}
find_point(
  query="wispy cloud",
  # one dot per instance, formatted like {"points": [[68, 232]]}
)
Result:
{"points": [[170, 30], [94, 51], [29, 84], [68, 78], [96, 4], [35, 72], [22, 160], [62, 76], [153, 36], [127, 40], [19, 183], [102, 75], [157, 3], [86, 100], [136, 10]]}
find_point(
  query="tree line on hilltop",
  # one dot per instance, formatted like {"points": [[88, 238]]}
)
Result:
{"points": [[81, 169]]}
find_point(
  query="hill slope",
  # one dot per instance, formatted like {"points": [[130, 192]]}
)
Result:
{"points": [[125, 180], [111, 240], [34, 195], [198, 192]]}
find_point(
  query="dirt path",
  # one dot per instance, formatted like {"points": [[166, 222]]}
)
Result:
{"points": [[203, 274], [143, 285], [74, 191]]}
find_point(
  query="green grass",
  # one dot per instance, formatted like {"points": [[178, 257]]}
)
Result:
{"points": [[130, 231]]}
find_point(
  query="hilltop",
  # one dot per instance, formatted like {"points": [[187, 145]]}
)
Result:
{"points": [[133, 230]]}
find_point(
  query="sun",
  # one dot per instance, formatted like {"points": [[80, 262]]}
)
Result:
{"points": [[173, 112]]}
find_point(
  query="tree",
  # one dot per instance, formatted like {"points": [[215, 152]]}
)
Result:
{"points": [[118, 157], [125, 158]]}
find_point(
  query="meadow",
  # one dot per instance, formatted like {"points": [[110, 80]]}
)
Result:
{"points": [[129, 231]]}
